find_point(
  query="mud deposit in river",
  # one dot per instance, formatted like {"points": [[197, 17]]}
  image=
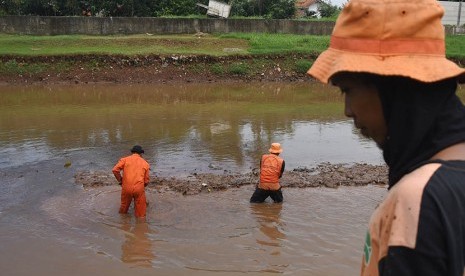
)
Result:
{"points": [[323, 175]]}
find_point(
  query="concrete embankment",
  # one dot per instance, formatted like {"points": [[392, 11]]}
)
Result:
{"points": [[66, 25]]}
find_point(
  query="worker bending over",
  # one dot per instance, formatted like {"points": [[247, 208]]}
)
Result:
{"points": [[135, 178], [271, 170]]}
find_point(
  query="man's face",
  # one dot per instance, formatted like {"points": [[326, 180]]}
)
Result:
{"points": [[363, 105]]}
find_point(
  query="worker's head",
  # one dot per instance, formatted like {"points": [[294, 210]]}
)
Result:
{"points": [[388, 59], [388, 38], [275, 148], [137, 149]]}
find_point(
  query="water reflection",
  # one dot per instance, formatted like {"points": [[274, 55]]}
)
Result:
{"points": [[269, 218], [193, 125], [137, 249]]}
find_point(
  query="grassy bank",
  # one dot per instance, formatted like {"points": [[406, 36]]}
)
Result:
{"points": [[198, 44], [236, 55]]}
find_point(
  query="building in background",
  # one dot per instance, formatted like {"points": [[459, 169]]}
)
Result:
{"points": [[216, 9], [307, 8]]}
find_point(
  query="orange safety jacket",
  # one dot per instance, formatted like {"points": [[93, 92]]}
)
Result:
{"points": [[270, 172], [135, 173]]}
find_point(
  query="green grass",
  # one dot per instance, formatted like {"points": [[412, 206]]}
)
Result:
{"points": [[455, 46], [261, 43], [19, 68], [216, 45], [121, 45], [302, 66], [13, 67], [217, 69]]}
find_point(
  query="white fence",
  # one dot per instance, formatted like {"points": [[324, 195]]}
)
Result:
{"points": [[451, 15]]}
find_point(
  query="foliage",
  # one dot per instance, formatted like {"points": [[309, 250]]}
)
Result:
{"points": [[13, 67], [140, 8], [239, 68], [302, 66], [41, 7], [10, 66], [327, 10], [217, 69], [177, 7], [276, 9], [282, 9], [9, 7]]}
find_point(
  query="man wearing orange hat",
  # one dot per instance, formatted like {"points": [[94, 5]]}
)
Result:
{"points": [[271, 170], [388, 59], [135, 178]]}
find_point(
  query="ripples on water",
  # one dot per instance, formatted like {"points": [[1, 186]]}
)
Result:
{"points": [[62, 229], [312, 232]]}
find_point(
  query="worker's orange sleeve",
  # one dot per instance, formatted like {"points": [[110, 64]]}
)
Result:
{"points": [[146, 176], [117, 169]]}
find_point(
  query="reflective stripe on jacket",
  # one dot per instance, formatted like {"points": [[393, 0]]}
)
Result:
{"points": [[270, 171]]}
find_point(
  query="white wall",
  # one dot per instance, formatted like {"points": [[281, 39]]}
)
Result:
{"points": [[338, 3], [450, 15], [452, 12]]}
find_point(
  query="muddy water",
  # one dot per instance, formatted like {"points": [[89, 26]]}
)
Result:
{"points": [[51, 225]]}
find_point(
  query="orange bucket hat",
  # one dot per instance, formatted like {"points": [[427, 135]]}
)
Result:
{"points": [[275, 148], [391, 38]]}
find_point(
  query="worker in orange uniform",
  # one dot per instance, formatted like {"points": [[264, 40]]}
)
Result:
{"points": [[135, 178], [271, 170]]}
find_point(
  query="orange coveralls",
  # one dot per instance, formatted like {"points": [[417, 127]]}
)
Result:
{"points": [[135, 178]]}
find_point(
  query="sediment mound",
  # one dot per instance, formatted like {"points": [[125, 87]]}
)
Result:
{"points": [[323, 175]]}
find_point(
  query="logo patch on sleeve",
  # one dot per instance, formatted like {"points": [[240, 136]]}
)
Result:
{"points": [[367, 249]]}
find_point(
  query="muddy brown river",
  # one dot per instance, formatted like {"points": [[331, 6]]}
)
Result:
{"points": [[51, 224]]}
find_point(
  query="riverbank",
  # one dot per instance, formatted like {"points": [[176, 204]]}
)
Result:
{"points": [[85, 69], [147, 58], [82, 69]]}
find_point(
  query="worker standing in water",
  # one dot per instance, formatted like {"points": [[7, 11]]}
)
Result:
{"points": [[133, 182], [271, 170]]}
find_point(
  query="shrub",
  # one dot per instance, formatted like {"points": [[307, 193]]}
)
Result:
{"points": [[302, 66], [217, 69], [239, 69], [11, 67]]}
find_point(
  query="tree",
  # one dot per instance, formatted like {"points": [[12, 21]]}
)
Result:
{"points": [[268, 8], [143, 8], [10, 7], [40, 7], [242, 8], [327, 10], [282, 9], [68, 7], [178, 7]]}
